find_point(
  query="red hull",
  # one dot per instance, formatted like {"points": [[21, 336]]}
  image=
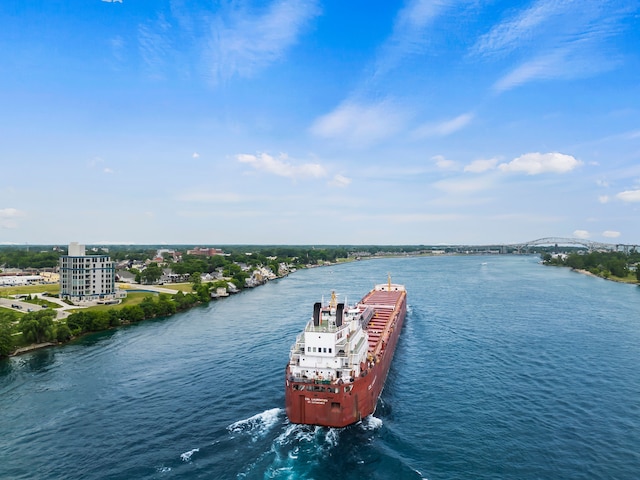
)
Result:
{"points": [[339, 405]]}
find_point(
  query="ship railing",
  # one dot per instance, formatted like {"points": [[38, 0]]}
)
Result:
{"points": [[317, 381]]}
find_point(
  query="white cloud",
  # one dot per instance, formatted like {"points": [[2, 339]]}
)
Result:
{"points": [[610, 234], [360, 125], [195, 155], [242, 43], [536, 163], [446, 127], [444, 163], [340, 181], [603, 199], [107, 170], [8, 217], [479, 166], [584, 234], [281, 167], [629, 196]]}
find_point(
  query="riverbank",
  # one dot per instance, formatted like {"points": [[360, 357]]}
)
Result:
{"points": [[133, 288], [628, 280]]}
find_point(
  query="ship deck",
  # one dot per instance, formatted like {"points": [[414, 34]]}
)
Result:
{"points": [[385, 304]]}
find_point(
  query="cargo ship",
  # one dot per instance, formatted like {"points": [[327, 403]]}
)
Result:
{"points": [[339, 363]]}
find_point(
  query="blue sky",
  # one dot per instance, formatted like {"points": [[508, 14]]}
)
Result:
{"points": [[291, 122]]}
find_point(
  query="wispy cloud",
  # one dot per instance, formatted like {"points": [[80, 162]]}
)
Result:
{"points": [[359, 124], [552, 39], [154, 44], [537, 163], [610, 234], [583, 234], [445, 127], [481, 165], [444, 163], [242, 42], [282, 166], [340, 181], [567, 63], [410, 32]]}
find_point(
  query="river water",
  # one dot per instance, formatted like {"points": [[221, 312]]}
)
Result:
{"points": [[505, 369]]}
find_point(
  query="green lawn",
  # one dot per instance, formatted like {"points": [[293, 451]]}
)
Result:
{"points": [[53, 288], [133, 298]]}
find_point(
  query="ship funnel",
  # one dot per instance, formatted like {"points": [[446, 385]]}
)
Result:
{"points": [[316, 313], [339, 313]]}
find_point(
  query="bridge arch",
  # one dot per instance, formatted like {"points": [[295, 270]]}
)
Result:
{"points": [[589, 244]]}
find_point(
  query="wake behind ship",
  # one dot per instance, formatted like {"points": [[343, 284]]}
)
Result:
{"points": [[339, 363]]}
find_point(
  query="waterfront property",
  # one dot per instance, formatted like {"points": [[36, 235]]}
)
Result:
{"points": [[86, 278]]}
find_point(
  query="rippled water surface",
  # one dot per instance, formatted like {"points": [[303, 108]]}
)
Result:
{"points": [[504, 369]]}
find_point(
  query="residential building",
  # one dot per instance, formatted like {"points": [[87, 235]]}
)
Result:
{"points": [[86, 277], [207, 252]]}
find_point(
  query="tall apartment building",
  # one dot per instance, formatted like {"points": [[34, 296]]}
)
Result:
{"points": [[86, 277]]}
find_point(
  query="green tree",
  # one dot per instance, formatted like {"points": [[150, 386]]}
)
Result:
{"points": [[78, 323], [38, 327], [148, 306], [99, 321], [151, 274], [165, 305], [132, 313], [6, 340], [114, 318], [63, 333], [196, 279]]}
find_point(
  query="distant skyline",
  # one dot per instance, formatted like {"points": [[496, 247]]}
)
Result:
{"points": [[319, 123]]}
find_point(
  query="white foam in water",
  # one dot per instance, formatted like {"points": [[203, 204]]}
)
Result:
{"points": [[257, 425], [332, 437], [371, 423], [186, 456]]}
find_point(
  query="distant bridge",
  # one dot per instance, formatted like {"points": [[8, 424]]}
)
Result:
{"points": [[590, 245]]}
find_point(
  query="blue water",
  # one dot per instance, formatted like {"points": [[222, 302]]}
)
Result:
{"points": [[505, 369]]}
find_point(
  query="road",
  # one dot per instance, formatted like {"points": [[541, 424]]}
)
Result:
{"points": [[61, 312]]}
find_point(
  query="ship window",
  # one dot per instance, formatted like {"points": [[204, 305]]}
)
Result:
{"points": [[308, 349], [314, 349], [324, 350], [329, 349], [335, 406]]}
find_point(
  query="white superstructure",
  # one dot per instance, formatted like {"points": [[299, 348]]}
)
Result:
{"points": [[333, 346]]}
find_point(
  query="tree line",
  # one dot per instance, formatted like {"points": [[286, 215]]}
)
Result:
{"points": [[39, 326], [603, 264]]}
